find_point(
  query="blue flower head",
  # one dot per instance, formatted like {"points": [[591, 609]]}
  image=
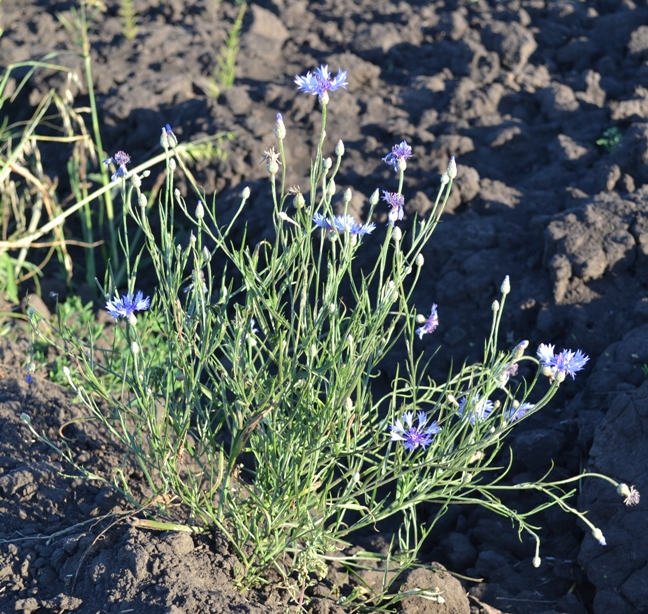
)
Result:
{"points": [[343, 223], [121, 159], [478, 411], [396, 201], [168, 139], [515, 413], [411, 436], [398, 155], [126, 306], [562, 364], [430, 324], [321, 82]]}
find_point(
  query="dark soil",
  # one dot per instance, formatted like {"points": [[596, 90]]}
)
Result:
{"points": [[519, 93]]}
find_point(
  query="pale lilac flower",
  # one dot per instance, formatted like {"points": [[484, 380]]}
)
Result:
{"points": [[430, 324], [512, 414], [321, 82], [480, 410], [126, 306], [411, 436], [399, 152], [121, 159], [567, 362], [396, 201]]}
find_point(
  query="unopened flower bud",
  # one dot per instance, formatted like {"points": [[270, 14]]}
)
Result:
{"points": [[272, 167], [518, 350], [537, 561], [420, 261], [397, 233], [135, 348], [495, 306], [444, 179], [348, 404], [245, 194], [280, 128], [347, 196], [339, 148], [146, 173], [331, 188], [324, 99], [328, 163], [506, 286], [599, 537], [172, 164], [176, 194], [25, 418], [206, 254], [135, 180], [452, 168], [192, 240], [375, 196], [299, 202], [143, 201], [200, 211]]}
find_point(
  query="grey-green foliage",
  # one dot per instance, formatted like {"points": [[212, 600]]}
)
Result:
{"points": [[256, 406]]}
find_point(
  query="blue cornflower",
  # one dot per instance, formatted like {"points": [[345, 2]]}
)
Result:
{"points": [[566, 363], [411, 436], [512, 413], [323, 222], [362, 229], [126, 306], [398, 155], [321, 81], [396, 201], [343, 223], [430, 324], [480, 410], [121, 159]]}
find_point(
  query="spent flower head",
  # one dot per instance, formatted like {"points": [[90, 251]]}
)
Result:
{"points": [[321, 82], [411, 436], [630, 494], [399, 154], [430, 324], [126, 306], [121, 159], [564, 363]]}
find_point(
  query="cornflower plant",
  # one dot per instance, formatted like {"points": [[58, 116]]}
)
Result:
{"points": [[258, 411]]}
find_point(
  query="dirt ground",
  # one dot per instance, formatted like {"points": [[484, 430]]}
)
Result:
{"points": [[522, 94]]}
